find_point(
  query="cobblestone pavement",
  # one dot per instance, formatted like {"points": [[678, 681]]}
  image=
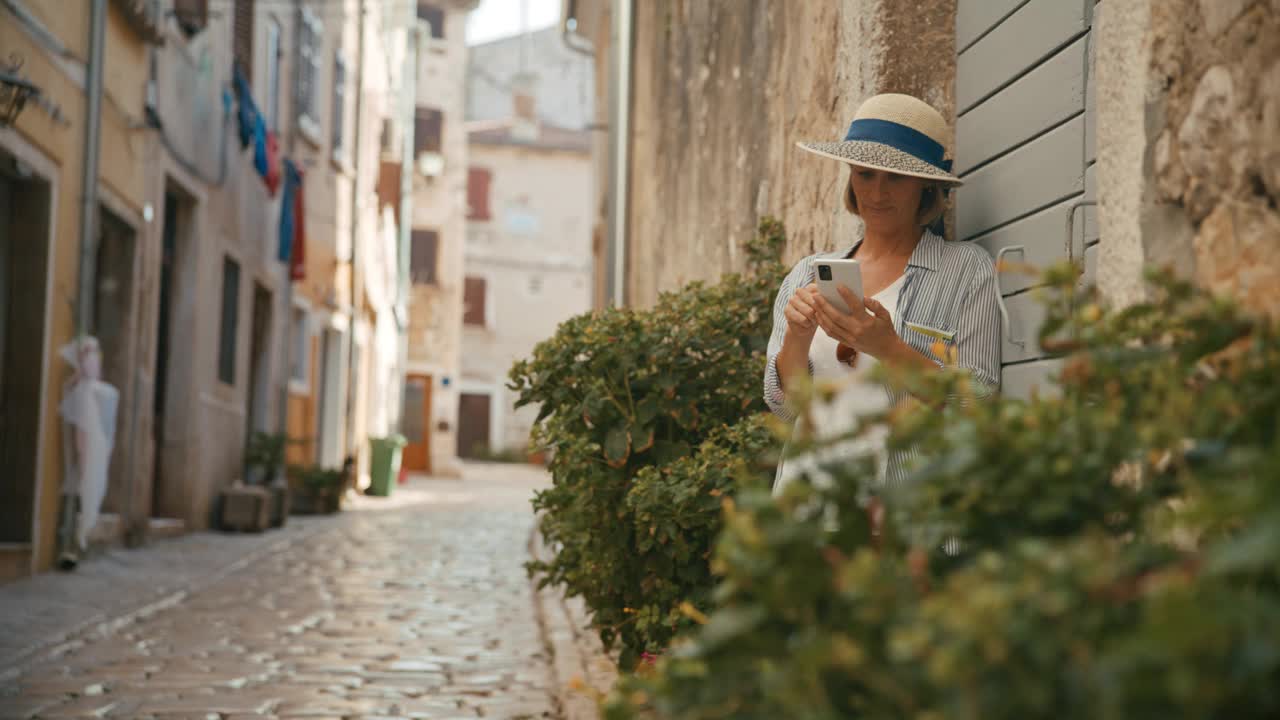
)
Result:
{"points": [[416, 606]]}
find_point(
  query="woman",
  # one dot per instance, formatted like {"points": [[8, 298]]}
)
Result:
{"points": [[897, 183]]}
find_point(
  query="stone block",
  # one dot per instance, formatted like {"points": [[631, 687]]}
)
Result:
{"points": [[1219, 14], [1171, 176], [1207, 141], [1267, 140], [279, 504], [1238, 255], [245, 508]]}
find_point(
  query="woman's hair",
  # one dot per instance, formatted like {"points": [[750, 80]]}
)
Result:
{"points": [[933, 201]]}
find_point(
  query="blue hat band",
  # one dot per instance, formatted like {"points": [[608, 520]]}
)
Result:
{"points": [[900, 137]]}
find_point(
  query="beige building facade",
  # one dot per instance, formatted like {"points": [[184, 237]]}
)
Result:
{"points": [[528, 260], [438, 235], [528, 266]]}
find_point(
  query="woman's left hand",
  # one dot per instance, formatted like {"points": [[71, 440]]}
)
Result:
{"points": [[868, 329]]}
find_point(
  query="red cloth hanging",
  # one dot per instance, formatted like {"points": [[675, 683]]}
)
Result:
{"points": [[272, 176], [298, 256]]}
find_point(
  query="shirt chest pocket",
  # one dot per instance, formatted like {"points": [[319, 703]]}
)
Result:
{"points": [[925, 338]]}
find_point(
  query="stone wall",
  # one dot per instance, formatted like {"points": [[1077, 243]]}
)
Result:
{"points": [[723, 89], [1218, 156], [1201, 129]]}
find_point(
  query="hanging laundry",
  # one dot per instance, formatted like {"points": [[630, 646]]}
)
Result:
{"points": [[298, 256], [292, 182], [88, 411], [247, 115], [260, 147], [272, 176]]}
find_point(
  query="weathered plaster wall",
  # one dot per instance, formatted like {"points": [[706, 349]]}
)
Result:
{"points": [[1189, 147], [556, 186], [435, 313], [1123, 96], [722, 91]]}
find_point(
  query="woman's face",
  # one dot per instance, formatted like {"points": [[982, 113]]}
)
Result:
{"points": [[887, 201]]}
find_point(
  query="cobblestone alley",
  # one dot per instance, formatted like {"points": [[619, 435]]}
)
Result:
{"points": [[416, 606]]}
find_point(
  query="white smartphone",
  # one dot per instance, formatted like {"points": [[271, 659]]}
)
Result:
{"points": [[832, 274]]}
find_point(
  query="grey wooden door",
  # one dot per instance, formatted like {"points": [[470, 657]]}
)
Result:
{"points": [[1025, 149], [473, 424]]}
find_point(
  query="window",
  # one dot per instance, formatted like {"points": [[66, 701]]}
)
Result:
{"points": [[478, 182], [310, 32], [271, 102], [434, 17], [230, 321], [300, 347], [422, 257], [192, 15], [473, 309], [242, 37], [339, 104], [428, 126], [535, 285]]}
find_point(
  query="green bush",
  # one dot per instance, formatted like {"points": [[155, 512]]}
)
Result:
{"points": [[647, 415], [1120, 547], [315, 478], [265, 453]]}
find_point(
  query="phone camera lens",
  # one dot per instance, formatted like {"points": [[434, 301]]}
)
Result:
{"points": [[824, 272]]}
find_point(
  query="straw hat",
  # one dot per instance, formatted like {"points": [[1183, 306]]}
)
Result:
{"points": [[897, 133]]}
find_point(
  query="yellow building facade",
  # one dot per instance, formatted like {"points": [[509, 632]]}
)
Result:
{"points": [[41, 165]]}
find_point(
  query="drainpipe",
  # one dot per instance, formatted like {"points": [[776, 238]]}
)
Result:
{"points": [[409, 98], [69, 554], [356, 287], [623, 38], [89, 172]]}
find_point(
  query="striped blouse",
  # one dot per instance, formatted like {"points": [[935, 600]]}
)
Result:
{"points": [[950, 286]]}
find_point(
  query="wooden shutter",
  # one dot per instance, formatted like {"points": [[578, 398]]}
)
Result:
{"points": [[388, 188], [230, 321], [310, 30], [339, 102], [427, 128], [478, 182], [1025, 107], [473, 310], [422, 257], [242, 37]]}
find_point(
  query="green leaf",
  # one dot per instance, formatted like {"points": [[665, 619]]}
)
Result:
{"points": [[617, 446], [544, 412], [646, 410], [644, 440]]}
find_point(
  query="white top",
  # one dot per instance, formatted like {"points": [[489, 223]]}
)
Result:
{"points": [[855, 395]]}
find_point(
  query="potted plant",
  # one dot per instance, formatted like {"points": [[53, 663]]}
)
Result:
{"points": [[315, 489], [263, 460]]}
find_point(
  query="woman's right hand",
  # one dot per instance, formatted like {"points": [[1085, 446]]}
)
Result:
{"points": [[802, 313]]}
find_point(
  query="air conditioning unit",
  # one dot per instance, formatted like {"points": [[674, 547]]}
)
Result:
{"points": [[431, 164]]}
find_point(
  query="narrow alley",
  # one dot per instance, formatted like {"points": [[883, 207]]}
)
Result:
{"points": [[414, 606]]}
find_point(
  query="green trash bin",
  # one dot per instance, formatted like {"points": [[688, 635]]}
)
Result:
{"points": [[384, 464]]}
